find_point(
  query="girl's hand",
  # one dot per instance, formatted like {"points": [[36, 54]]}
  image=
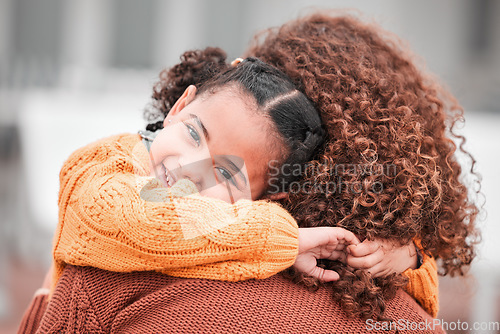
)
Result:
{"points": [[382, 257], [322, 243]]}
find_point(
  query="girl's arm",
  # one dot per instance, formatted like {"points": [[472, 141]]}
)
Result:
{"points": [[382, 258], [105, 222], [423, 283]]}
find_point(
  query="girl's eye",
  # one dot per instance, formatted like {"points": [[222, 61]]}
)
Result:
{"points": [[194, 134], [226, 175]]}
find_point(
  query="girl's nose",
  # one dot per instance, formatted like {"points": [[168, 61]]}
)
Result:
{"points": [[199, 171]]}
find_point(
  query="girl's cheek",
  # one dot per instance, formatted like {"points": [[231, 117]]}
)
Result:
{"points": [[170, 141], [218, 191]]}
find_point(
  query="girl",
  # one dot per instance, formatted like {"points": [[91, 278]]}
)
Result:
{"points": [[107, 223]]}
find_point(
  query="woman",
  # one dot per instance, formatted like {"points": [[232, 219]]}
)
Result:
{"points": [[390, 150]]}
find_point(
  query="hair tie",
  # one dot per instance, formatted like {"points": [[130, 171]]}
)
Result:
{"points": [[236, 61]]}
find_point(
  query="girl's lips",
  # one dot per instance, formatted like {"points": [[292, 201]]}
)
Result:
{"points": [[162, 175], [168, 177]]}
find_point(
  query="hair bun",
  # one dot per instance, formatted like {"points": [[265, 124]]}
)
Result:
{"points": [[155, 126], [195, 68]]}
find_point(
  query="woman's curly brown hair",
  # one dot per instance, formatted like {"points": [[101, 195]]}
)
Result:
{"points": [[389, 167]]}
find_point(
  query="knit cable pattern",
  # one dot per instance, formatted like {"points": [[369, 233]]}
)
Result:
{"points": [[105, 223]]}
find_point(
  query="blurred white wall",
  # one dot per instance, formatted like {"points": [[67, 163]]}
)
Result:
{"points": [[51, 42], [483, 138]]}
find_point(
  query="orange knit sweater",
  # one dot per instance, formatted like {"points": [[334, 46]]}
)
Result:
{"points": [[114, 217], [423, 284]]}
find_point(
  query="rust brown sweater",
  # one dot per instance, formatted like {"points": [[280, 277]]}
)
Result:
{"points": [[91, 300]]}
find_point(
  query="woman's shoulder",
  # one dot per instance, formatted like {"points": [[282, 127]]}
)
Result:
{"points": [[276, 304]]}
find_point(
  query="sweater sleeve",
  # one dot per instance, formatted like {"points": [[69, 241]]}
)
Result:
{"points": [[34, 313], [423, 284], [105, 223]]}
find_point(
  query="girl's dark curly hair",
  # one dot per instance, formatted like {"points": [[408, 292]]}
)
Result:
{"points": [[196, 67], [388, 169]]}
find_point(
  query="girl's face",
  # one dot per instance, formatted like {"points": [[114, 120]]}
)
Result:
{"points": [[217, 141]]}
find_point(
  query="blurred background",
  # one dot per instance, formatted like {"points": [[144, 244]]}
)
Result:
{"points": [[74, 71]]}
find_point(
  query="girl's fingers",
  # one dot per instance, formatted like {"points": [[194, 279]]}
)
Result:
{"points": [[324, 275], [379, 270], [365, 262], [363, 249], [337, 236], [330, 276], [348, 236], [333, 237], [339, 255]]}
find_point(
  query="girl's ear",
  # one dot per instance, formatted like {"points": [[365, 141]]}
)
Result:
{"points": [[183, 101]]}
